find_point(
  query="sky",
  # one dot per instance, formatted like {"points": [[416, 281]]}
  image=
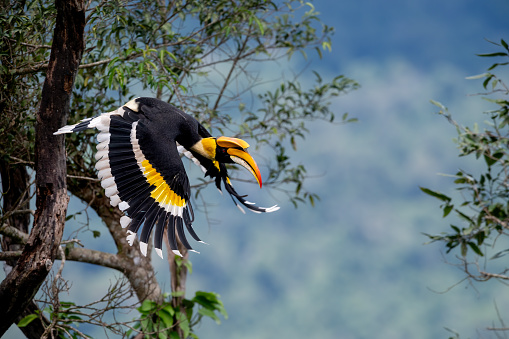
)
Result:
{"points": [[355, 265]]}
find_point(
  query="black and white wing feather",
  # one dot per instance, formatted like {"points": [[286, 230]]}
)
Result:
{"points": [[143, 175]]}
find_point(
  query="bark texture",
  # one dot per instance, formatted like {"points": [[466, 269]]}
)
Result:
{"points": [[178, 279], [21, 284], [15, 188]]}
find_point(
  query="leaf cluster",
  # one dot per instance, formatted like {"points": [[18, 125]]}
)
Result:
{"points": [[483, 210], [283, 119], [24, 32], [165, 321]]}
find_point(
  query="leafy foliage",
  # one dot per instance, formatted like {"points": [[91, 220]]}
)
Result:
{"points": [[483, 211], [162, 320]]}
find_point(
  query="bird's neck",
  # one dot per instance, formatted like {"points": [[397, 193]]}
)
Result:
{"points": [[206, 147]]}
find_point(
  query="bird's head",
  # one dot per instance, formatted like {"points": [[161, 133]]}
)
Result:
{"points": [[228, 150]]}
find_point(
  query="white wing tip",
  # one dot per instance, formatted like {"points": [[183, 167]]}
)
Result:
{"points": [[159, 252], [272, 209], [115, 200], [177, 252], [130, 238], [241, 209], [125, 221], [123, 206], [143, 248], [111, 191], [65, 129]]}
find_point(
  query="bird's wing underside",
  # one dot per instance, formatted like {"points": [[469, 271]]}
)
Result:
{"points": [[144, 176]]}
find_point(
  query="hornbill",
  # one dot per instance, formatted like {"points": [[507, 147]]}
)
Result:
{"points": [[140, 168]]}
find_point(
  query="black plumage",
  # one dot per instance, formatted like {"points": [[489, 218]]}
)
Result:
{"points": [[140, 167]]}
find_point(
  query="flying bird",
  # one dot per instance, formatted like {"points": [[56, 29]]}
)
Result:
{"points": [[139, 164]]}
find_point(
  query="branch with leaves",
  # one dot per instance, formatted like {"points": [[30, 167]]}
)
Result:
{"points": [[483, 211]]}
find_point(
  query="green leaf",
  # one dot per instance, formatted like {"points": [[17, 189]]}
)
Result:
{"points": [[504, 44], [447, 209], [475, 248], [464, 249], [456, 229], [259, 23], [438, 104], [435, 194], [146, 324], [478, 76], [326, 46], [211, 314], [169, 309], [189, 265], [487, 81], [498, 64], [67, 304], [147, 306], [500, 254], [178, 294], [183, 324], [166, 317], [492, 54], [27, 320]]}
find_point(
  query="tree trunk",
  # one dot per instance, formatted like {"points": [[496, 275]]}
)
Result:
{"points": [[15, 189], [178, 279], [21, 284]]}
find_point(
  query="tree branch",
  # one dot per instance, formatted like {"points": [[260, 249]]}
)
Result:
{"points": [[85, 255], [10, 255], [228, 77], [98, 258], [129, 260], [13, 233], [488, 275]]}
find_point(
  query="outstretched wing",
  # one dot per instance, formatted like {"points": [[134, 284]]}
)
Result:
{"points": [[143, 174]]}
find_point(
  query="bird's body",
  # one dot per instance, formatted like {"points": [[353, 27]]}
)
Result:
{"points": [[140, 168]]}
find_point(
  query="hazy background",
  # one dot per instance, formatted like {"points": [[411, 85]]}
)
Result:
{"points": [[355, 265]]}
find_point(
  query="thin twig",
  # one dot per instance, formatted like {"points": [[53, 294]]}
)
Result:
{"points": [[488, 275], [82, 178]]}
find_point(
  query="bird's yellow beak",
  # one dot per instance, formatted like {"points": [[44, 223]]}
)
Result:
{"points": [[243, 158], [228, 142], [240, 156]]}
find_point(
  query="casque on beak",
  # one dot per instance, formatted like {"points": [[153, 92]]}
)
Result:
{"points": [[240, 156]]}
